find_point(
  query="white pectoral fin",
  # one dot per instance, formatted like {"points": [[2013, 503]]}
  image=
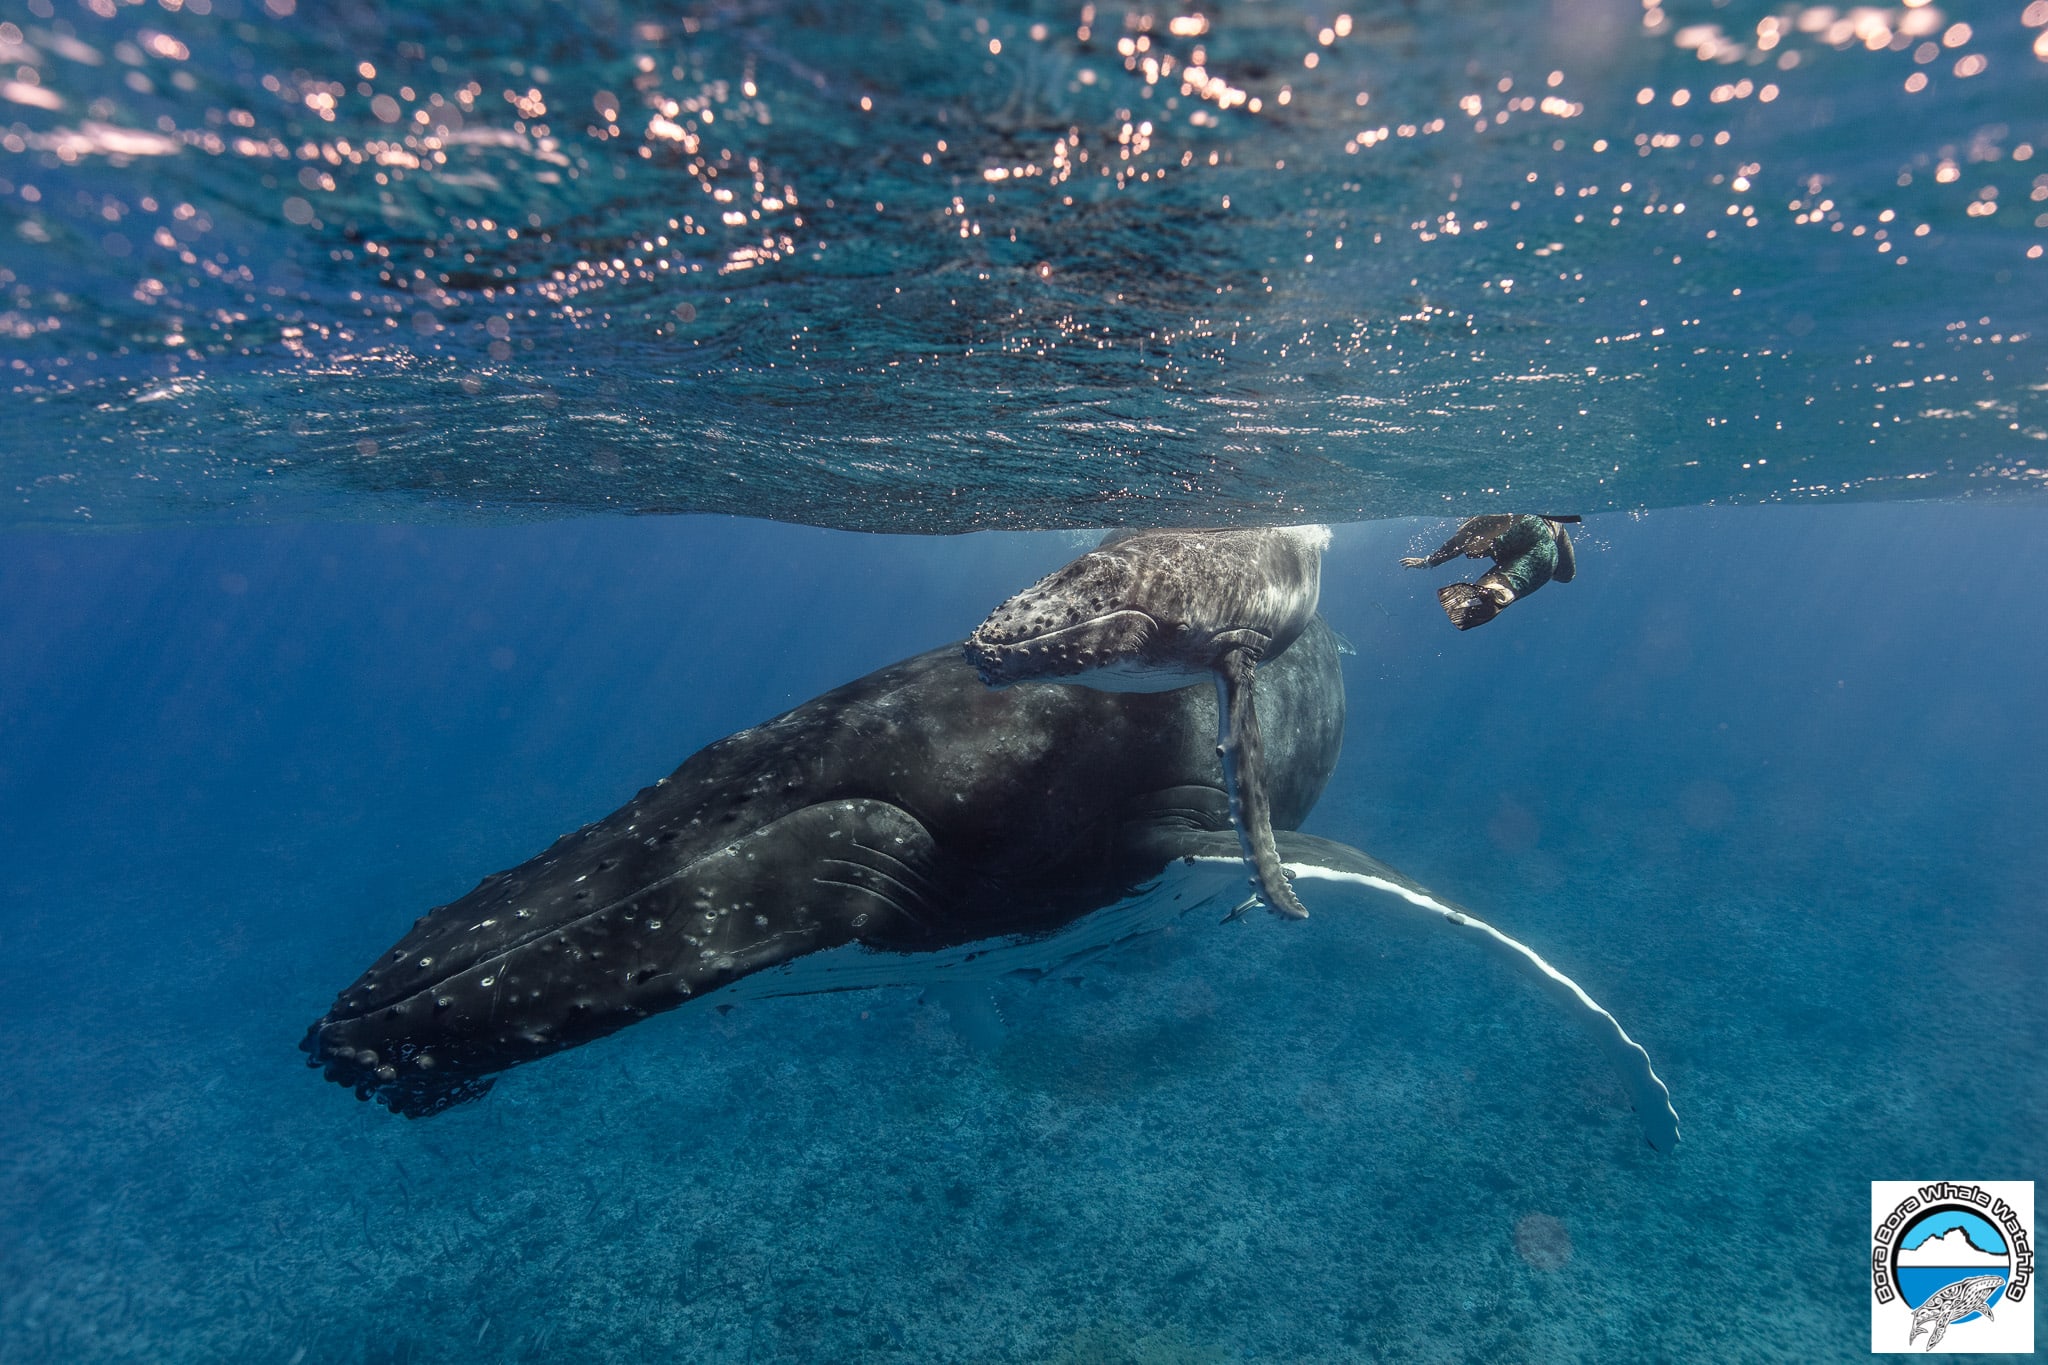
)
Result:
{"points": [[1323, 860], [1646, 1089], [1242, 750]]}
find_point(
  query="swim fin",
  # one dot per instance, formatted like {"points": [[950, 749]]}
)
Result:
{"points": [[1466, 605]]}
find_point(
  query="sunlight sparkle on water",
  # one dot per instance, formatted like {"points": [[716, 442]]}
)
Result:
{"points": [[1135, 202]]}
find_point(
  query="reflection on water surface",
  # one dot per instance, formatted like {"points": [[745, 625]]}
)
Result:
{"points": [[927, 266]]}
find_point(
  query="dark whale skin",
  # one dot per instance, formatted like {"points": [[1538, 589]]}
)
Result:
{"points": [[910, 809]]}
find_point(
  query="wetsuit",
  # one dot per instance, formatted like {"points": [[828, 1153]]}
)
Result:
{"points": [[1527, 552]]}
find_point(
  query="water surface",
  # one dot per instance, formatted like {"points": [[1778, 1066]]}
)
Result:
{"points": [[913, 266]]}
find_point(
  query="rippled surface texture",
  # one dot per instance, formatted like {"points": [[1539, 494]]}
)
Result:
{"points": [[926, 266]]}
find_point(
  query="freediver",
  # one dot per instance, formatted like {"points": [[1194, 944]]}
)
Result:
{"points": [[1527, 551]]}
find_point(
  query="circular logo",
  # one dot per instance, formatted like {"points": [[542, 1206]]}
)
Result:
{"points": [[1950, 1264]]}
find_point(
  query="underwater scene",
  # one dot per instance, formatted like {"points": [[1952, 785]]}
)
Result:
{"points": [[1020, 681]]}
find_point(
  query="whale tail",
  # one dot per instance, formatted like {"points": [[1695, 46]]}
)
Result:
{"points": [[1466, 605]]}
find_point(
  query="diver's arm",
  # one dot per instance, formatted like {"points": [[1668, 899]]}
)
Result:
{"points": [[1444, 554], [1474, 539]]}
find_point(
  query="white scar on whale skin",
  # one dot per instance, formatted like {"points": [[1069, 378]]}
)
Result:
{"points": [[1647, 1091]]}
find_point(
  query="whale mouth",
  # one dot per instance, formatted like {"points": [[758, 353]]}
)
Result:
{"points": [[406, 1083], [1118, 637]]}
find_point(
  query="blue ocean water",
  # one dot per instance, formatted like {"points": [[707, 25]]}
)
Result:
{"points": [[337, 339], [1762, 779]]}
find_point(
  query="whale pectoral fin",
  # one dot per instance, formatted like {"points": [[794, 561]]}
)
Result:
{"points": [[871, 863], [1244, 777], [1326, 860], [837, 872]]}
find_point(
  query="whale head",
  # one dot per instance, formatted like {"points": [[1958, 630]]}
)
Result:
{"points": [[1151, 611], [615, 922], [1087, 623], [459, 999]]}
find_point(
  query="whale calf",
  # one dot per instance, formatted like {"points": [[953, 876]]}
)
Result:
{"points": [[910, 827], [1149, 611]]}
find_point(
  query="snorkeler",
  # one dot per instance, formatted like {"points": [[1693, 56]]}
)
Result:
{"points": [[1527, 552]]}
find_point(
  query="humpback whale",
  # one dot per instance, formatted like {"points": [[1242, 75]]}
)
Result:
{"points": [[1149, 611], [909, 827], [1953, 1301], [910, 810]]}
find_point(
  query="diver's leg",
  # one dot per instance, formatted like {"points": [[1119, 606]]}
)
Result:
{"points": [[1474, 604]]}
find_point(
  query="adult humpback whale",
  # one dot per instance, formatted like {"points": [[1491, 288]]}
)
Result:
{"points": [[911, 810], [909, 824]]}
